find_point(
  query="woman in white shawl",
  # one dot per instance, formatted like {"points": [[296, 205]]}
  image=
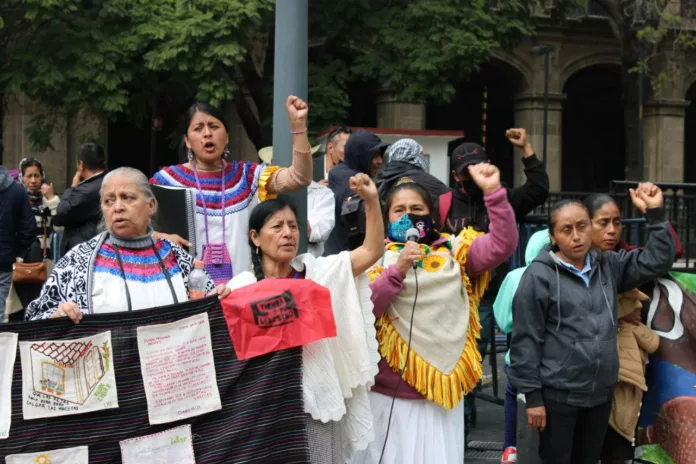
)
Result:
{"points": [[336, 371]]}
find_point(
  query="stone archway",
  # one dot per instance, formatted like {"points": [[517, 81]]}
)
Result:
{"points": [[593, 146], [503, 82]]}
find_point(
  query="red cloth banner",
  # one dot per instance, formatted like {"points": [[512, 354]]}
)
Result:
{"points": [[276, 314]]}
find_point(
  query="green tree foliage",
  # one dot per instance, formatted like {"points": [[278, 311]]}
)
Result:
{"points": [[133, 58]]}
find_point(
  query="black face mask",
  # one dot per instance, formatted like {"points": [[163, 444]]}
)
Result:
{"points": [[470, 188]]}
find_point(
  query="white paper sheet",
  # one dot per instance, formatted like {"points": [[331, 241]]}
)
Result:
{"points": [[173, 446], [77, 455], [8, 355], [178, 369], [65, 377]]}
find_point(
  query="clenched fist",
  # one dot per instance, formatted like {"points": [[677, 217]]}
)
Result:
{"points": [[486, 176], [363, 186], [297, 112], [518, 137], [646, 196]]}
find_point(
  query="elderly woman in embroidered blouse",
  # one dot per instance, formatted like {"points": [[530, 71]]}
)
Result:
{"points": [[245, 183], [336, 372], [122, 269], [427, 319]]}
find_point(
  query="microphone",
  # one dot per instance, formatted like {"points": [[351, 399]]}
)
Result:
{"points": [[412, 235]]}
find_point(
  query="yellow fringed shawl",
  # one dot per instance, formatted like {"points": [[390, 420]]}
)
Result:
{"points": [[264, 179], [445, 389]]}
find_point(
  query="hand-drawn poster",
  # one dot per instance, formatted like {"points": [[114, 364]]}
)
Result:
{"points": [[178, 369], [8, 353], [668, 416], [64, 377], [173, 446], [77, 455], [261, 398]]}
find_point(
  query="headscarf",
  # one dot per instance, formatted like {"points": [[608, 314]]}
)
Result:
{"points": [[408, 151], [35, 198]]}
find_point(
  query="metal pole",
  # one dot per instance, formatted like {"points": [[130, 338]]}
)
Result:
{"points": [[546, 102], [640, 113], [484, 116], [290, 78]]}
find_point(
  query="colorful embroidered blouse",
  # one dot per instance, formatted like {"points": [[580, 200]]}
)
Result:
{"points": [[246, 184], [146, 282]]}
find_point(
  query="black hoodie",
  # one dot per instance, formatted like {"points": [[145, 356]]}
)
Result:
{"points": [[360, 149], [395, 170], [564, 335], [17, 221], [468, 209]]}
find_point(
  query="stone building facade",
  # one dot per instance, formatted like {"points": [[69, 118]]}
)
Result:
{"points": [[586, 44]]}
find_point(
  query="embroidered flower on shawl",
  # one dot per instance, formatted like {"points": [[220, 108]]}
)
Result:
{"points": [[433, 263]]}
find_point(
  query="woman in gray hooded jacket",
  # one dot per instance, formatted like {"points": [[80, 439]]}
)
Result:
{"points": [[564, 355]]}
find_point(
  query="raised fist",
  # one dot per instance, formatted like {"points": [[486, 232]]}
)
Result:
{"points": [[486, 176], [517, 137], [646, 196], [363, 186], [297, 112]]}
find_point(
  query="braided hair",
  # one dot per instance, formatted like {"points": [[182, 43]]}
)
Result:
{"points": [[259, 217]]}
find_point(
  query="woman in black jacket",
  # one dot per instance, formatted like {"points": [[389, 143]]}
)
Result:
{"points": [[564, 354]]}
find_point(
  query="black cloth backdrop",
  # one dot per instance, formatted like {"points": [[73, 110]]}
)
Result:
{"points": [[262, 419]]}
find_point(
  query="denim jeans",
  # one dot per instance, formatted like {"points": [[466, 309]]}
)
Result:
{"points": [[5, 283]]}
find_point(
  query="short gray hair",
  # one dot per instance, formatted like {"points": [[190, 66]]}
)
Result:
{"points": [[137, 177]]}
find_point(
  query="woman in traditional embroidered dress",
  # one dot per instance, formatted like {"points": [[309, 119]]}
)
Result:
{"points": [[245, 185], [337, 371], [122, 269], [427, 320]]}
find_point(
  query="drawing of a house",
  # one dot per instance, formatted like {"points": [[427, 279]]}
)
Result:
{"points": [[69, 371]]}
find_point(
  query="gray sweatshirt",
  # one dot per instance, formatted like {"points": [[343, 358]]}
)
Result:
{"points": [[564, 345]]}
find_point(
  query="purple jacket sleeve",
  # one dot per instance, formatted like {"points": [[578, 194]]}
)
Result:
{"points": [[492, 249], [385, 287]]}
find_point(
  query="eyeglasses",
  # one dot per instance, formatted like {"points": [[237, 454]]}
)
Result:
{"points": [[336, 131]]}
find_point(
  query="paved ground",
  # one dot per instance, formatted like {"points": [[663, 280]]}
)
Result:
{"points": [[486, 439]]}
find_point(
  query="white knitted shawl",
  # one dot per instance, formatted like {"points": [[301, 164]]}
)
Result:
{"points": [[337, 372]]}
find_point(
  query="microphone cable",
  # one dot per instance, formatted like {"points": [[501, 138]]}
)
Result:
{"points": [[403, 370]]}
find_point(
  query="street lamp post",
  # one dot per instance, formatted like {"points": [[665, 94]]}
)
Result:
{"points": [[290, 78], [545, 50]]}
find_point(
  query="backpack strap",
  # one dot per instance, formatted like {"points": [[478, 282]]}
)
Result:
{"points": [[444, 205]]}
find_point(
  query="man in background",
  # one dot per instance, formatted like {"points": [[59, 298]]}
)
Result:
{"points": [[320, 208], [17, 229], [464, 207], [363, 154], [79, 211], [335, 150]]}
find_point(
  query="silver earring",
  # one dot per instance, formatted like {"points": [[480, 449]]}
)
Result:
{"points": [[226, 152], [189, 155], [257, 251]]}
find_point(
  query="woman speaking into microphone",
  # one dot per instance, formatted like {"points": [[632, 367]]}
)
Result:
{"points": [[427, 321]]}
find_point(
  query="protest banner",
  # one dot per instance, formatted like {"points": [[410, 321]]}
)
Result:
{"points": [[259, 418]]}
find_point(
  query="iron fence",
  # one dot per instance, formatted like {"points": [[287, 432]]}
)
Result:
{"points": [[680, 204]]}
